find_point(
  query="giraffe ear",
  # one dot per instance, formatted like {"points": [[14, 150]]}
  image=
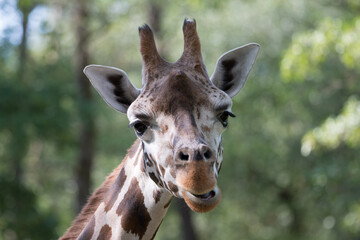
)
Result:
{"points": [[113, 85], [233, 67]]}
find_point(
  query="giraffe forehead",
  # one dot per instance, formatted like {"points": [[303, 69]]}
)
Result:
{"points": [[179, 93]]}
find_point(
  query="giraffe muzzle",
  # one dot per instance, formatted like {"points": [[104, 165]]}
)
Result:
{"points": [[198, 184]]}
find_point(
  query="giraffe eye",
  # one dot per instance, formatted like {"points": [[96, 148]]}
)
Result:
{"points": [[223, 118], [140, 128]]}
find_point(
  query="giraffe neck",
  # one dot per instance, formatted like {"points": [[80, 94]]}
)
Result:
{"points": [[132, 208]]}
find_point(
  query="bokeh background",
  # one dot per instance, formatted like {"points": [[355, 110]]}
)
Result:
{"points": [[291, 161]]}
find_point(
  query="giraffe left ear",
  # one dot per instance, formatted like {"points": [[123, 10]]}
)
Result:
{"points": [[113, 85], [233, 68]]}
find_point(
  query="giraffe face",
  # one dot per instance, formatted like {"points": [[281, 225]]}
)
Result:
{"points": [[180, 118], [180, 113]]}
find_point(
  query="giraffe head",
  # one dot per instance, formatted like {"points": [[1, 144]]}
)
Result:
{"points": [[180, 113]]}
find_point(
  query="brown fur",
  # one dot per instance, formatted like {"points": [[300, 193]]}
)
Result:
{"points": [[163, 129], [88, 231], [93, 203], [157, 195], [173, 187], [170, 97], [105, 233], [205, 129], [196, 177]]}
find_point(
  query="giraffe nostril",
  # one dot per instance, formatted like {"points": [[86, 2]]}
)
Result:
{"points": [[183, 156], [207, 154]]}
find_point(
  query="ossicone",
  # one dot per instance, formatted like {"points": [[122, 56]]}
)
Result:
{"points": [[149, 53]]}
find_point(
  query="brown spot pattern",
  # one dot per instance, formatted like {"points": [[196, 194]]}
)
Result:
{"points": [[135, 217], [94, 201], [152, 158], [168, 160], [155, 179], [162, 169], [105, 233], [205, 129], [173, 187], [155, 176], [164, 129], [88, 231], [157, 196], [147, 160], [173, 173], [115, 190]]}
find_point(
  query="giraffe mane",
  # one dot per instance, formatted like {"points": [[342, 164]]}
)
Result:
{"points": [[94, 201]]}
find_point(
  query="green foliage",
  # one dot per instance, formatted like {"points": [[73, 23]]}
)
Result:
{"points": [[333, 38], [344, 128], [321, 63], [20, 215]]}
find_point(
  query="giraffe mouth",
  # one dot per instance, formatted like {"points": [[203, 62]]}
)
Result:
{"points": [[206, 196], [203, 202]]}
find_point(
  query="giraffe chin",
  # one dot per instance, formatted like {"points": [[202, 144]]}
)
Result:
{"points": [[203, 203]]}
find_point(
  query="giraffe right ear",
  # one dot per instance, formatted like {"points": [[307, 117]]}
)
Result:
{"points": [[113, 85], [233, 68]]}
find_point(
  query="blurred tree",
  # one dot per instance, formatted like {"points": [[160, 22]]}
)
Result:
{"points": [[19, 140], [291, 168], [32, 112], [87, 128], [25, 220], [25, 7], [324, 61]]}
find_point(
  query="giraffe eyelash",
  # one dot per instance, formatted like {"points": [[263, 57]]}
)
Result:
{"points": [[223, 117]]}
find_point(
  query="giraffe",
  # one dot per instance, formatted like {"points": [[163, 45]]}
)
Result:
{"points": [[178, 116]]}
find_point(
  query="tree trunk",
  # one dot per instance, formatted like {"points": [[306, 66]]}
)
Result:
{"points": [[19, 138], [186, 220], [86, 131], [288, 198], [17, 152], [154, 16], [23, 49]]}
